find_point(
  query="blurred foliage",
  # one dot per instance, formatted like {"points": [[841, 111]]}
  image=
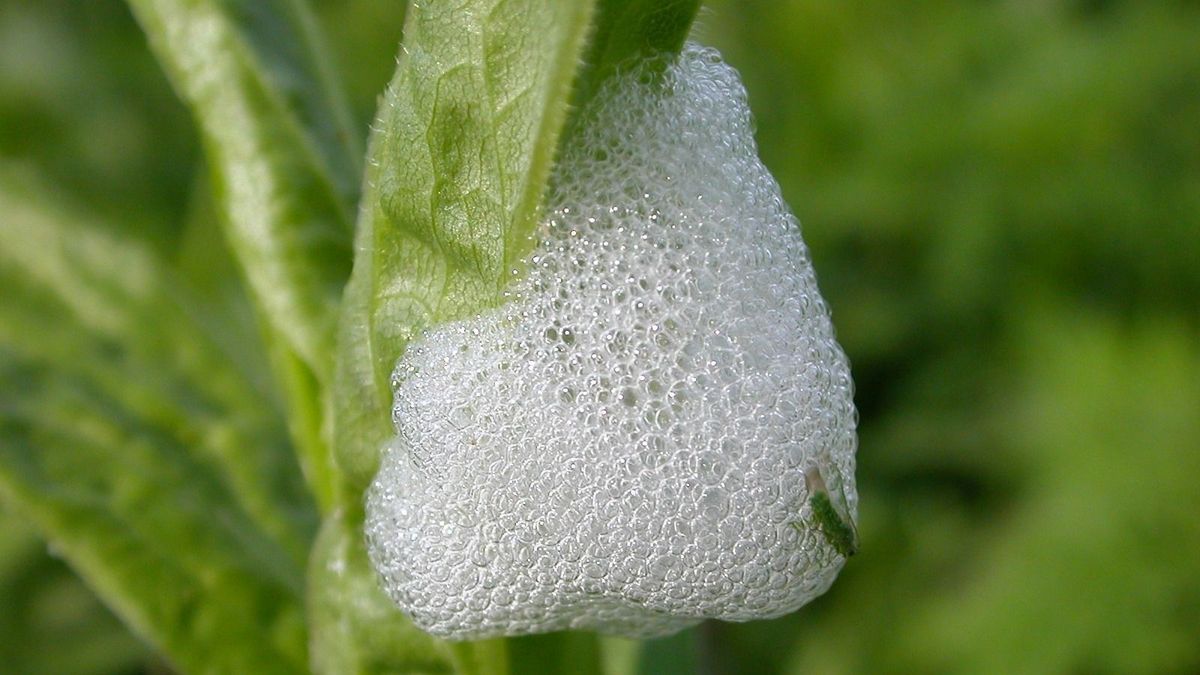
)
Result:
{"points": [[44, 607], [1003, 204]]}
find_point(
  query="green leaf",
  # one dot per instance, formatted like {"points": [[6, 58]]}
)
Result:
{"points": [[630, 30], [146, 460], [220, 305], [286, 171], [218, 298], [43, 606], [282, 151], [355, 627], [458, 161]]}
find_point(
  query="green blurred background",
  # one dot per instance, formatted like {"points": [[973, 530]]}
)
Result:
{"points": [[1003, 204]]}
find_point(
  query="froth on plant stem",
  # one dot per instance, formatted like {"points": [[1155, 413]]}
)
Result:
{"points": [[623, 446]]}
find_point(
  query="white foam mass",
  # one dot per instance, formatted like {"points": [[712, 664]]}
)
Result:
{"points": [[622, 447]]}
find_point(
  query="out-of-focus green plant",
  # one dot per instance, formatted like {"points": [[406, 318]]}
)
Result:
{"points": [[1003, 201]]}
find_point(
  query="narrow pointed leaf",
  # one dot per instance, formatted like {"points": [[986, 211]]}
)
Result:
{"points": [[281, 148], [146, 460], [285, 165]]}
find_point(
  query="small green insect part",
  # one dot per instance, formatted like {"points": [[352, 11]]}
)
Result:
{"points": [[836, 526]]}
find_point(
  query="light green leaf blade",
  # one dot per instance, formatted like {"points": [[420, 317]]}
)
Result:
{"points": [[462, 148], [144, 458], [284, 157], [220, 305], [629, 30], [355, 627], [286, 169]]}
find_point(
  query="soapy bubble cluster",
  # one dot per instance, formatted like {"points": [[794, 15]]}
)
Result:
{"points": [[622, 446]]}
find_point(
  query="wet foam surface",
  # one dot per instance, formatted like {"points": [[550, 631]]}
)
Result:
{"points": [[622, 446]]}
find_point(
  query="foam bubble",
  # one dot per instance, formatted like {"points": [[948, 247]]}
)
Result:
{"points": [[623, 446]]}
